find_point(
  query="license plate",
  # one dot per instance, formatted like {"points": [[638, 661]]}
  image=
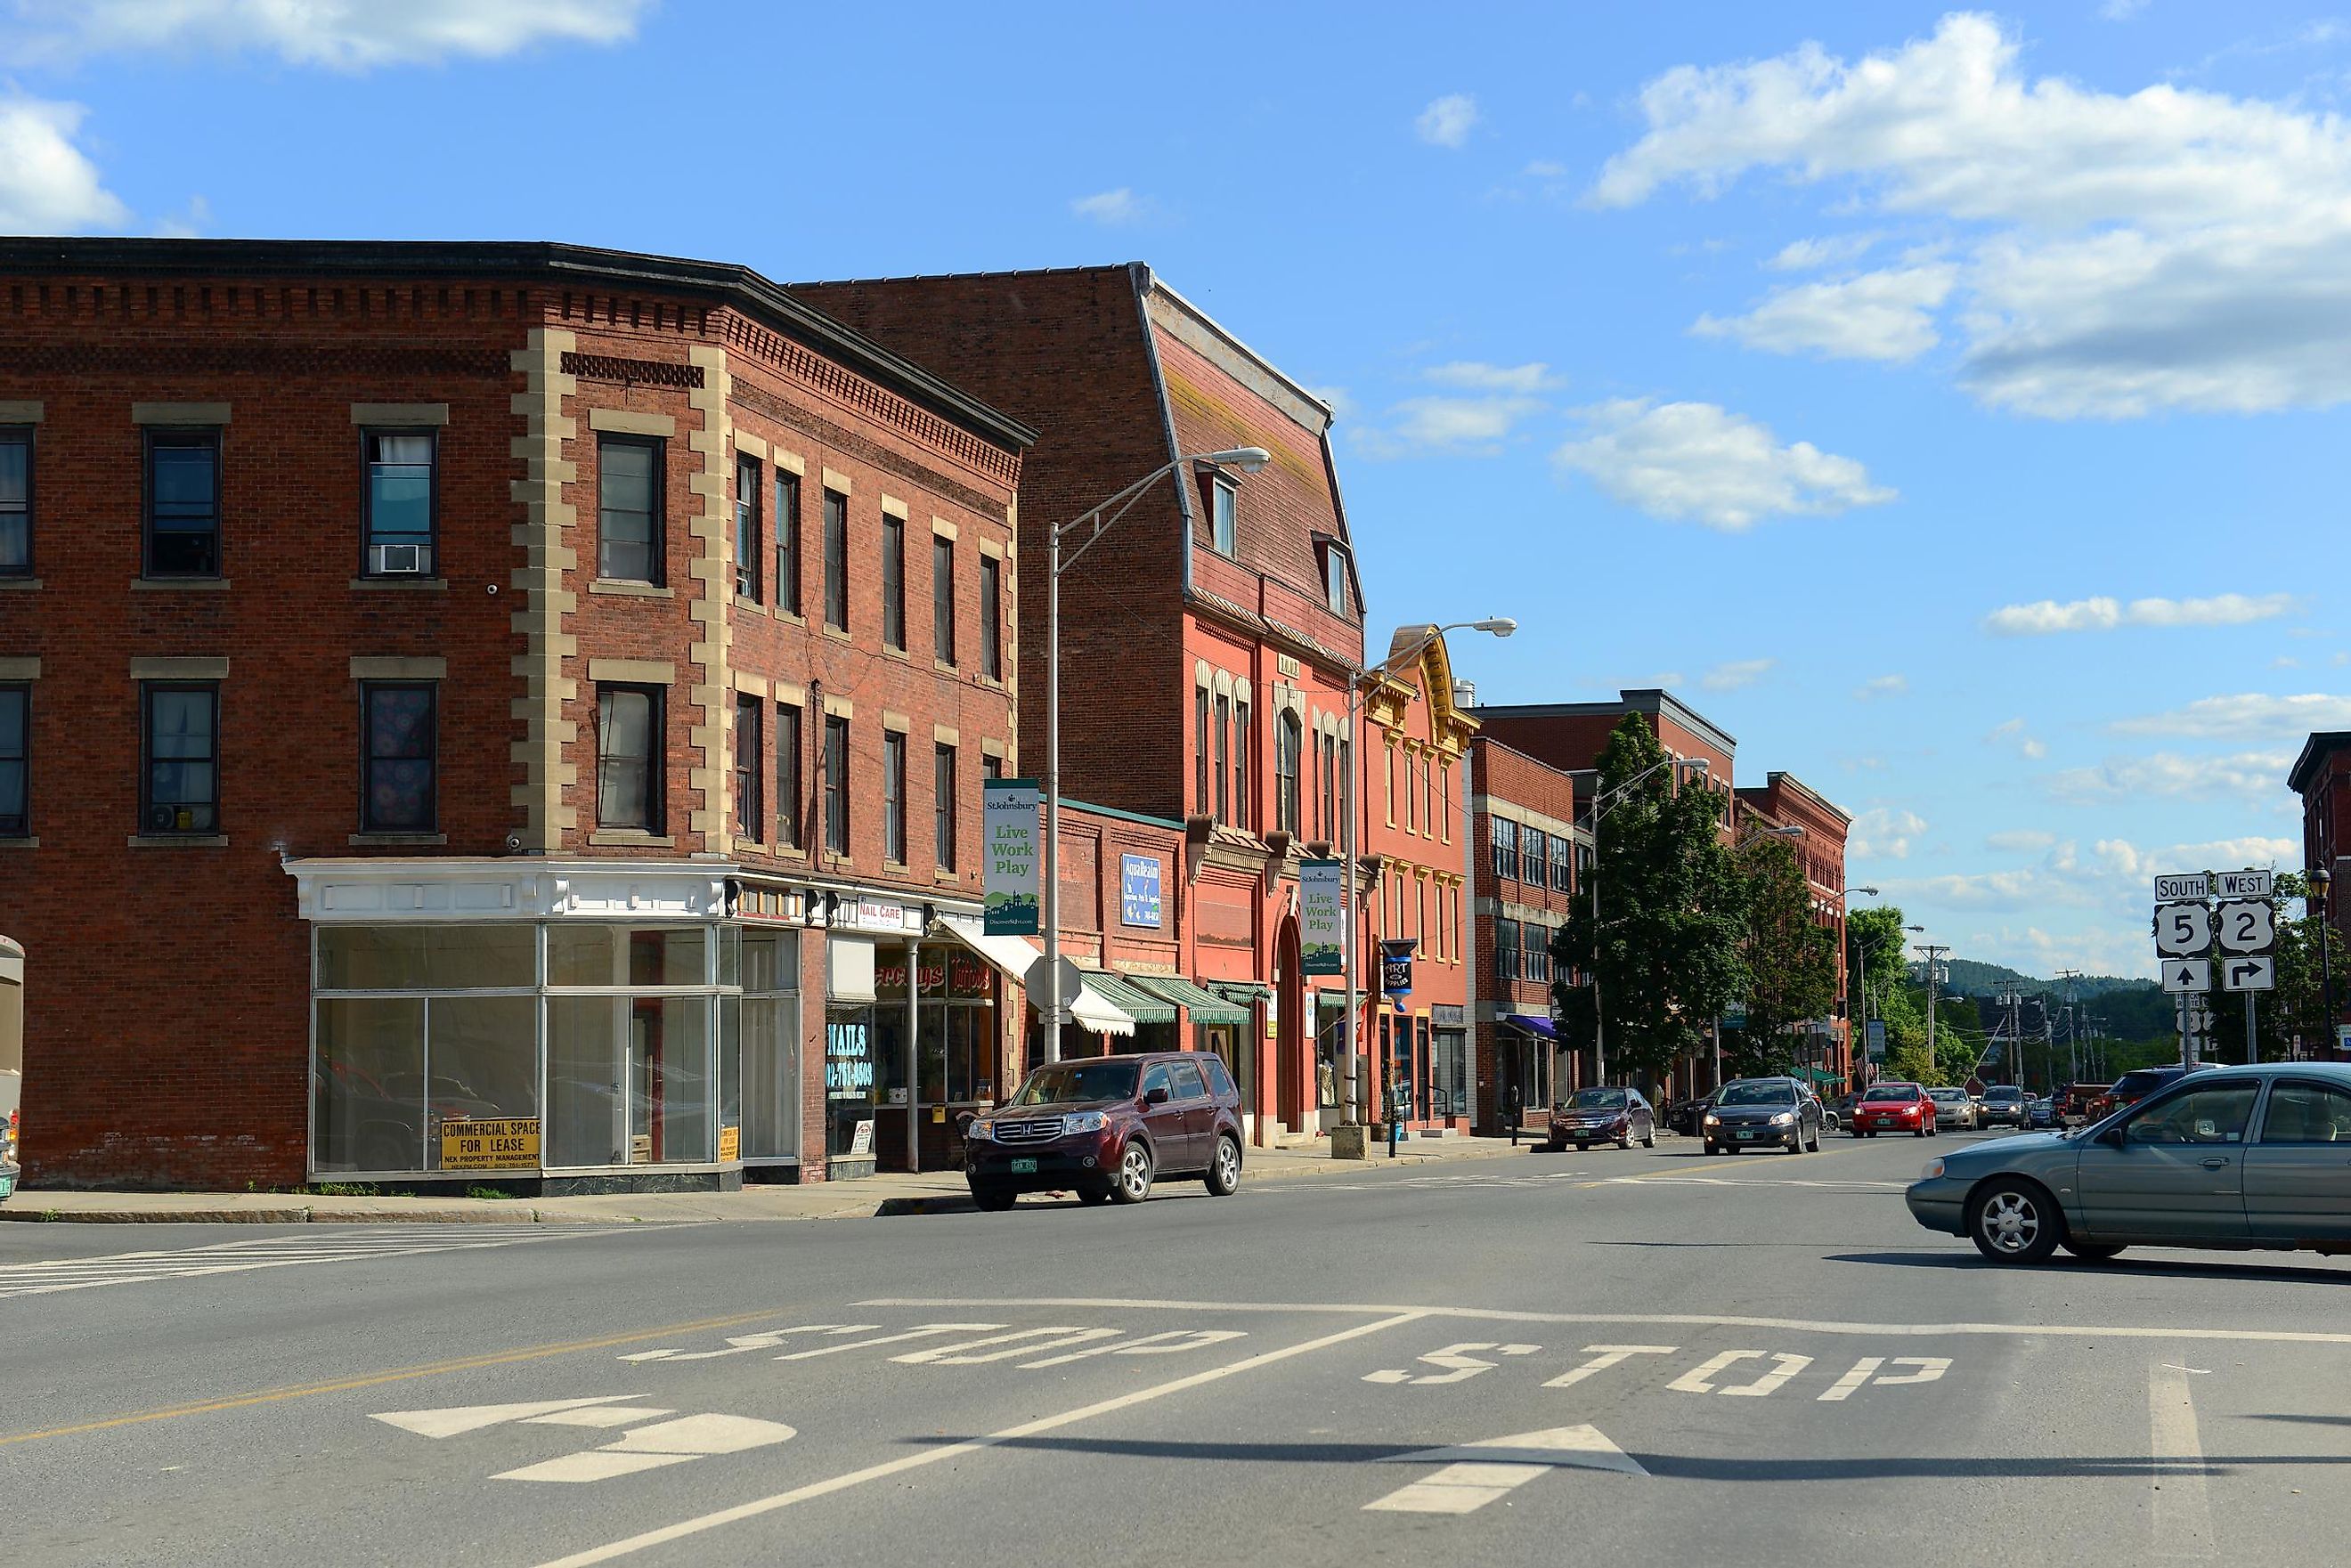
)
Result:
{"points": [[1746, 1134], [1024, 1167]]}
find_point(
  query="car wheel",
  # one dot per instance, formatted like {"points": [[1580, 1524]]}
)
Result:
{"points": [[2093, 1251], [1922, 1130], [991, 1198], [1583, 1148], [1093, 1196], [1650, 1142], [1132, 1184], [1817, 1140], [2013, 1222], [1554, 1148], [1225, 1170], [1626, 1142], [1710, 1150]]}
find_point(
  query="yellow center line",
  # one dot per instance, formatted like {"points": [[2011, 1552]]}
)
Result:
{"points": [[396, 1374]]}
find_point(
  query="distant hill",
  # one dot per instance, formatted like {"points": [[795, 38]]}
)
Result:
{"points": [[1975, 978]]}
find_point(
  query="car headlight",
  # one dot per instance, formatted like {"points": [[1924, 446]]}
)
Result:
{"points": [[1712, 1120], [1934, 1168], [1784, 1119], [983, 1130], [1084, 1121]]}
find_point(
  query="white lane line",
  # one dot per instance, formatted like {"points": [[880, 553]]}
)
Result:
{"points": [[2182, 1507], [1692, 1319], [945, 1451]]}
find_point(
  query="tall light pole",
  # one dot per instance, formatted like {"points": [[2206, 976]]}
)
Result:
{"points": [[1861, 972], [1097, 522], [1497, 625], [1603, 802], [2320, 884]]}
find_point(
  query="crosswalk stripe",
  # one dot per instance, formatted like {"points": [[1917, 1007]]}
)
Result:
{"points": [[57, 1275]]}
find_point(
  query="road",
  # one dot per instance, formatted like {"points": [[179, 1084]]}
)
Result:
{"points": [[1616, 1355]]}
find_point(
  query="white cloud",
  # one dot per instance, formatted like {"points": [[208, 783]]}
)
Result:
{"points": [[1698, 462], [1736, 675], [2102, 614], [1113, 208], [2252, 776], [2286, 662], [2165, 248], [2247, 714], [1447, 120], [1450, 426], [2019, 840], [1474, 375], [1544, 169], [1886, 315], [1882, 686], [2121, 10], [2013, 730], [1884, 834], [1828, 250], [342, 34], [48, 185]]}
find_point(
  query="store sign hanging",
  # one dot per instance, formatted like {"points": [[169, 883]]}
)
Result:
{"points": [[1138, 891], [1395, 968], [1320, 936], [1008, 823]]}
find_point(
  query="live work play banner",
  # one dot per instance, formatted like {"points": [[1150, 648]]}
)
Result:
{"points": [[1008, 822], [1318, 930]]}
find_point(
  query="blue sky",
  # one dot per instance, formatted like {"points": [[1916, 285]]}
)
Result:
{"points": [[1947, 404]]}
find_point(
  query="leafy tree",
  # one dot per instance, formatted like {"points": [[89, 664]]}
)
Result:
{"points": [[1790, 957], [2297, 1006], [1665, 944]]}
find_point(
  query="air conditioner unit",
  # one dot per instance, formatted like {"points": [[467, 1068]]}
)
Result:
{"points": [[400, 560]]}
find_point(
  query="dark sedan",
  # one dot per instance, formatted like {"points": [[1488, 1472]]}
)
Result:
{"points": [[1602, 1116], [1763, 1113]]}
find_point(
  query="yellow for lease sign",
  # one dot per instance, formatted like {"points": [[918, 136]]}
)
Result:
{"points": [[503, 1145]]}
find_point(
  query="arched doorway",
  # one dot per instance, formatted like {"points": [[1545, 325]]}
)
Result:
{"points": [[1290, 1028]]}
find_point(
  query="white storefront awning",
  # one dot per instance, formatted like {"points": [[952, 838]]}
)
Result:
{"points": [[1013, 955]]}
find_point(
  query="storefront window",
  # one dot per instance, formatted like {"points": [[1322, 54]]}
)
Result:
{"points": [[771, 1045], [618, 956], [849, 1080], [584, 1103], [481, 1063], [359, 1121], [671, 1083], [1451, 1071], [427, 957]]}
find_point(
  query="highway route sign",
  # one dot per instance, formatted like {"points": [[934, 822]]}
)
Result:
{"points": [[2249, 974], [2182, 930], [2244, 884], [2195, 884], [2247, 925], [2188, 974]]}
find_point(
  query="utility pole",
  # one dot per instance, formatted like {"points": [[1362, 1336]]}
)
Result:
{"points": [[2073, 1030], [1934, 952]]}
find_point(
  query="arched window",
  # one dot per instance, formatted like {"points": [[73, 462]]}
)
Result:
{"points": [[1289, 740]]}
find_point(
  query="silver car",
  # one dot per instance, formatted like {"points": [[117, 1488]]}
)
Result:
{"points": [[1955, 1111], [2236, 1158]]}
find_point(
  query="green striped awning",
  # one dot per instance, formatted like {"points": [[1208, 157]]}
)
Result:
{"points": [[1242, 993], [1128, 997], [1204, 1007]]}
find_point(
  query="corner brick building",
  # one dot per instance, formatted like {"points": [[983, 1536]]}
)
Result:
{"points": [[2321, 775], [1783, 801], [507, 708], [1527, 862]]}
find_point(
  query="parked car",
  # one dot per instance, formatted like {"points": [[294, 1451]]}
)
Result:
{"points": [[2004, 1104], [2078, 1102], [1107, 1128], [2043, 1109], [2237, 1157], [2136, 1085], [1687, 1116], [1956, 1109], [1893, 1108], [1838, 1113], [1603, 1115], [1763, 1112]]}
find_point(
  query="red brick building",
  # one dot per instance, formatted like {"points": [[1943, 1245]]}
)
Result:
{"points": [[1527, 856], [1783, 801], [1207, 641], [506, 708], [2321, 775]]}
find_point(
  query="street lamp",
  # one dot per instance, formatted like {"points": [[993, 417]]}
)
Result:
{"points": [[1097, 522], [1496, 625], [2320, 881], [1861, 973], [1603, 802]]}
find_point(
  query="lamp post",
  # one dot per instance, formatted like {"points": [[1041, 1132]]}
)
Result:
{"points": [[2321, 885], [1097, 522], [1603, 802], [1861, 979], [1497, 625]]}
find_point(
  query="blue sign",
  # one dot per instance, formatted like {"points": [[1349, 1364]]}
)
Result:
{"points": [[1138, 890]]}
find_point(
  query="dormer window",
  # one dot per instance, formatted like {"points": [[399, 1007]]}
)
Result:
{"points": [[1224, 506], [1332, 554]]}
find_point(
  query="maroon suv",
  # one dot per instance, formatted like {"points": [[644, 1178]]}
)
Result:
{"points": [[1106, 1127]]}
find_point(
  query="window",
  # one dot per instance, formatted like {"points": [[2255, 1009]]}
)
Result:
{"points": [[2298, 1113], [1389, 787], [1346, 784], [1287, 739], [1506, 949], [1534, 855], [183, 503], [893, 582], [15, 502], [1328, 799], [1562, 865], [1420, 910], [1223, 503], [15, 761], [1411, 793], [991, 618], [1506, 849], [396, 504], [836, 561], [180, 785], [787, 541], [750, 810], [990, 767], [943, 806], [629, 546], [789, 802], [1445, 803], [2213, 1115], [836, 784], [1334, 579], [1537, 939], [1223, 755], [943, 617], [893, 796], [1240, 762], [400, 793], [1200, 799], [628, 757], [748, 550], [1428, 795]]}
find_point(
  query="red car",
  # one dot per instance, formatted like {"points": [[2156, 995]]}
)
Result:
{"points": [[1107, 1127], [1893, 1108]]}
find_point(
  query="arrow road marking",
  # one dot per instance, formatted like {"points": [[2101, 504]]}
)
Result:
{"points": [[460, 1419], [1475, 1474]]}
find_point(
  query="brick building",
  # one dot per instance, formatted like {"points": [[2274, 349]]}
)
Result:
{"points": [[2321, 775], [489, 707], [1783, 801], [1526, 857], [1207, 641]]}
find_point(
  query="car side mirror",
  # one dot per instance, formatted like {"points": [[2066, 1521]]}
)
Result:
{"points": [[1155, 1096], [2113, 1138]]}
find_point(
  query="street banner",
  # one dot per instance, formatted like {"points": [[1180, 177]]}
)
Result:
{"points": [[1008, 827], [1321, 935], [1876, 1040], [1395, 968]]}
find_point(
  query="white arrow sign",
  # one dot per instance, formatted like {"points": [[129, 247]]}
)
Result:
{"points": [[1475, 1474], [2247, 925], [2188, 974], [2249, 974], [653, 1445], [2182, 930]]}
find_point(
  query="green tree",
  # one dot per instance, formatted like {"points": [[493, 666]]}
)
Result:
{"points": [[2297, 1006], [1665, 943], [1790, 957]]}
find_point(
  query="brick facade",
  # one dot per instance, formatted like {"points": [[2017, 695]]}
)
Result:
{"points": [[1784, 801], [1513, 798], [2321, 775]]}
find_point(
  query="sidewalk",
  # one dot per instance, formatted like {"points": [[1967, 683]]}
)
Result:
{"points": [[930, 1193]]}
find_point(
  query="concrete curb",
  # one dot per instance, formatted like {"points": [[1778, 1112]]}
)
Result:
{"points": [[156, 1217]]}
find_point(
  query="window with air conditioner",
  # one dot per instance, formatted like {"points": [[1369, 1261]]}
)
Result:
{"points": [[179, 786], [396, 504]]}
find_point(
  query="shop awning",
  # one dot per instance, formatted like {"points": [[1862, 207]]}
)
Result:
{"points": [[1204, 1007], [1011, 956], [1129, 998], [1814, 1075], [1242, 993], [1528, 1023]]}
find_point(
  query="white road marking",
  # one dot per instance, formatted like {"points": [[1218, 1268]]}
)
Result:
{"points": [[2182, 1506], [1485, 1471], [459, 1418], [1460, 1367], [649, 1447], [1164, 1344], [924, 1331], [1604, 1356], [599, 1415], [947, 1451], [703, 1434], [1847, 1385], [595, 1464], [267, 1252], [738, 1344], [960, 1354], [1786, 1367]]}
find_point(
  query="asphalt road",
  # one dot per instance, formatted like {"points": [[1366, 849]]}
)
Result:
{"points": [[1618, 1355]]}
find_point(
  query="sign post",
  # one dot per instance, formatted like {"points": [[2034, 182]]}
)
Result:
{"points": [[2229, 917]]}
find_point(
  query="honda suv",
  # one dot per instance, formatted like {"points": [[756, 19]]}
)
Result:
{"points": [[1106, 1128]]}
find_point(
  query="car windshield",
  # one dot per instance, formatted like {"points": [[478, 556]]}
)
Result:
{"points": [[1759, 1093], [2138, 1082], [1892, 1092], [1596, 1100], [1947, 1094], [2003, 1091], [1071, 1083]]}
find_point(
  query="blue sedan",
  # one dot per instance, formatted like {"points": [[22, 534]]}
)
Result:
{"points": [[2236, 1158]]}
